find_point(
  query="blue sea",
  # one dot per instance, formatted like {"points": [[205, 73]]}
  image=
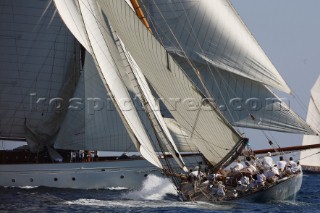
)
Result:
{"points": [[156, 195]]}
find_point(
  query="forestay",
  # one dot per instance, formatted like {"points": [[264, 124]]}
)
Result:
{"points": [[213, 136]]}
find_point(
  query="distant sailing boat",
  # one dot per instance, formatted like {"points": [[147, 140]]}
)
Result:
{"points": [[310, 159]]}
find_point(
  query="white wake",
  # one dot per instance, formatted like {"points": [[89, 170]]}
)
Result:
{"points": [[153, 188]]}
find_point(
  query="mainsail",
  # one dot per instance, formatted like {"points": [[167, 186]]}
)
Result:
{"points": [[39, 71], [209, 37], [208, 130], [312, 157]]}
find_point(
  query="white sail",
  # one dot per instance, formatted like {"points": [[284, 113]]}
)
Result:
{"points": [[92, 121], [151, 107], [246, 103], [211, 33], [312, 157], [207, 129], [70, 13], [99, 48], [180, 136], [38, 58]]}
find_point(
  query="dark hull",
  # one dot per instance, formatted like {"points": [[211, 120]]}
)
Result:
{"points": [[283, 189]]}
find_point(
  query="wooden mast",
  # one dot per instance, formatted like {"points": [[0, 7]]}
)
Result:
{"points": [[140, 13]]}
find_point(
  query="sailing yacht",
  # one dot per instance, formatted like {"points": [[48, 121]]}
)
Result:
{"points": [[310, 159], [207, 72]]}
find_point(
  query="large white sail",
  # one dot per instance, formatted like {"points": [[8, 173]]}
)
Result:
{"points": [[99, 44], [312, 157], [246, 103], [151, 107], [92, 122], [211, 32], [38, 58], [205, 36], [70, 13], [213, 136]]}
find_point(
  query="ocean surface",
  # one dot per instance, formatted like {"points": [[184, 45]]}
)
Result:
{"points": [[156, 195]]}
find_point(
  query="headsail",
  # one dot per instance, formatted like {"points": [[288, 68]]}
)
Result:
{"points": [[150, 105], [312, 157], [99, 43], [213, 136]]}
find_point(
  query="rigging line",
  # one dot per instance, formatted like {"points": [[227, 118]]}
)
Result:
{"points": [[147, 148], [309, 155]]}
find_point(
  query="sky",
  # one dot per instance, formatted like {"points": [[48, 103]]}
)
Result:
{"points": [[289, 32]]}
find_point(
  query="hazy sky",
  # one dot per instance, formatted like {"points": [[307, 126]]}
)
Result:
{"points": [[289, 33]]}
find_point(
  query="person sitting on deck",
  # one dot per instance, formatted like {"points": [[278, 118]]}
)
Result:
{"points": [[251, 168], [235, 193], [281, 164], [221, 192], [297, 169], [261, 178], [241, 187], [292, 163], [267, 161], [238, 166]]}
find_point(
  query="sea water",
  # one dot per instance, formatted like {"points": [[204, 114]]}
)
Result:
{"points": [[156, 195]]}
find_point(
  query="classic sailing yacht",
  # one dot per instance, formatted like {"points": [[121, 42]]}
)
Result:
{"points": [[310, 159], [196, 56]]}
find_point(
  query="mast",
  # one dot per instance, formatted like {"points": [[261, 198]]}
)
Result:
{"points": [[140, 14]]}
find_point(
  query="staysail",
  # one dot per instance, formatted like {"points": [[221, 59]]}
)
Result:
{"points": [[150, 105], [39, 72], [209, 131], [312, 157]]}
